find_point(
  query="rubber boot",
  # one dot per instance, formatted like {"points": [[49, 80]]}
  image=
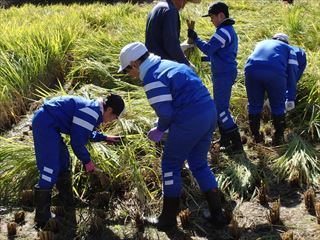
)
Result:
{"points": [[168, 217], [42, 202], [235, 138], [254, 123], [64, 186], [279, 124], [217, 217], [223, 141]]}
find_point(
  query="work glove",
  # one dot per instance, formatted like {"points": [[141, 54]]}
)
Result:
{"points": [[192, 34], [155, 135], [185, 45], [289, 105], [113, 139], [90, 167]]}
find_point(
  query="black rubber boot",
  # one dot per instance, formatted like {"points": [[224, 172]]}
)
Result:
{"points": [[168, 217], [279, 123], [235, 138], [223, 141], [217, 217], [42, 202], [254, 123], [64, 186]]}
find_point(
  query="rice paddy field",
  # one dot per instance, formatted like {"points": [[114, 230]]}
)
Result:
{"points": [[48, 50]]}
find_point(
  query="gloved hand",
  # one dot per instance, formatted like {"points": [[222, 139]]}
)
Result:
{"points": [[185, 45], [289, 105], [113, 139], [90, 167], [155, 135], [192, 34]]}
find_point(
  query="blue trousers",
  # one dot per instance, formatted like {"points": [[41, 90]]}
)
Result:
{"points": [[52, 155], [258, 82], [189, 139], [222, 87]]}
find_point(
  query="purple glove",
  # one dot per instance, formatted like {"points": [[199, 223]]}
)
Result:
{"points": [[155, 135], [89, 167]]}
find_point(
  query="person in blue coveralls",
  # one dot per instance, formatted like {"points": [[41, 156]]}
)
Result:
{"points": [[163, 31], [222, 50], [184, 106], [302, 64], [78, 118], [272, 68]]}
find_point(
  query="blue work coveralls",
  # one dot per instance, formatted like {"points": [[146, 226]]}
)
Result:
{"points": [[71, 115], [302, 60], [184, 106], [271, 68], [222, 50]]}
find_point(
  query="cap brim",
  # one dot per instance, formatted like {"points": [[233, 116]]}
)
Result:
{"points": [[120, 70]]}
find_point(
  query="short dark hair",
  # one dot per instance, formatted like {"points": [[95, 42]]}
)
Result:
{"points": [[216, 8], [144, 57], [115, 102]]}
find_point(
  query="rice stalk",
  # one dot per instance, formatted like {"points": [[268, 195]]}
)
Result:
{"points": [[298, 163], [18, 168], [238, 178]]}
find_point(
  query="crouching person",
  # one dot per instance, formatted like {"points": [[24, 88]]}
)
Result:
{"points": [[184, 106], [77, 117]]}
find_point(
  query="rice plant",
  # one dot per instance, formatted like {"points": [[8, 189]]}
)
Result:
{"points": [[299, 163], [18, 168], [238, 178]]}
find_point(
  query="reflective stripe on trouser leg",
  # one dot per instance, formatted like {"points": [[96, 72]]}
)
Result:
{"points": [[222, 94], [47, 149]]}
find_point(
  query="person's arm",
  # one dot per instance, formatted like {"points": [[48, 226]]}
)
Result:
{"points": [[97, 136], [219, 40], [171, 35], [160, 99], [292, 72], [302, 64], [83, 123]]}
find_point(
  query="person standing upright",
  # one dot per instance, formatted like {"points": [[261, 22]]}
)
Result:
{"points": [[222, 50], [163, 30]]}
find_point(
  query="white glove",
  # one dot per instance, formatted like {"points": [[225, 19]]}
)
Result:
{"points": [[289, 105], [185, 45]]}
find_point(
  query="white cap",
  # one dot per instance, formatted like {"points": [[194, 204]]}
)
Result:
{"points": [[282, 37], [131, 52]]}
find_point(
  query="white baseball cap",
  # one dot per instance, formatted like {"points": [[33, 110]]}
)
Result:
{"points": [[282, 37], [131, 52]]}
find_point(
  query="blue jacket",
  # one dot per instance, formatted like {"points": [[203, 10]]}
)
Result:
{"points": [[172, 89], [222, 48], [77, 117], [277, 56], [302, 60], [163, 32]]}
